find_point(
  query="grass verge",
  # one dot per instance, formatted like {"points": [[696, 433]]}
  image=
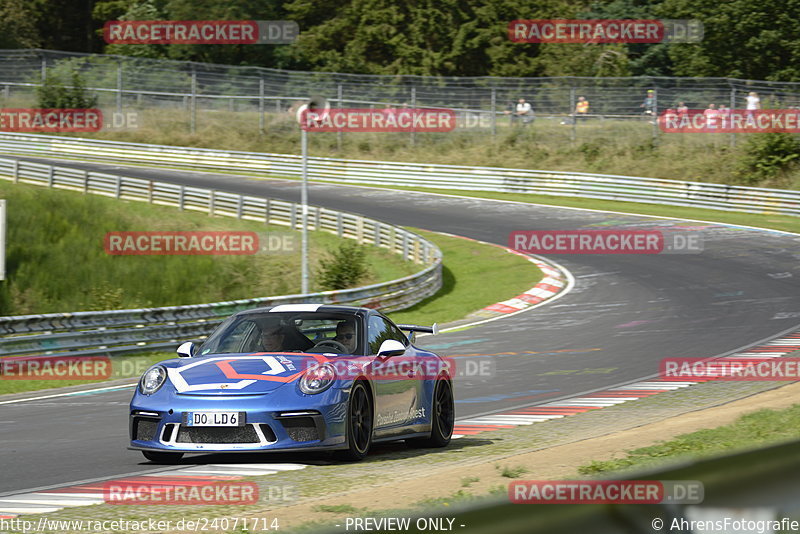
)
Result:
{"points": [[467, 268], [755, 429], [56, 260]]}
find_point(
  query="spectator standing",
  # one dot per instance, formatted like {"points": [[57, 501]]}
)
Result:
{"points": [[581, 108], [682, 110], [649, 103], [753, 103]]}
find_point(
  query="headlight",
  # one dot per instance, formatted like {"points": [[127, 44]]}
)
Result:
{"points": [[153, 379], [317, 379]]}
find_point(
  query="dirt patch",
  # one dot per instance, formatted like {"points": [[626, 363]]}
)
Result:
{"points": [[552, 463]]}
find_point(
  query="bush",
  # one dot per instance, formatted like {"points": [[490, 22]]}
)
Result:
{"points": [[55, 94], [343, 267], [767, 156]]}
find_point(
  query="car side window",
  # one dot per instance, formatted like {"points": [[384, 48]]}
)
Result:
{"points": [[379, 330], [241, 339]]}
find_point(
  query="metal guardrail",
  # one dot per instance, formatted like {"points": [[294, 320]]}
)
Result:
{"points": [[585, 185], [139, 330]]}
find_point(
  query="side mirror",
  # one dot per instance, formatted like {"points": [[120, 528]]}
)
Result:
{"points": [[186, 350], [391, 347]]}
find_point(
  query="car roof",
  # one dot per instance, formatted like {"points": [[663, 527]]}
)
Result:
{"points": [[321, 308]]}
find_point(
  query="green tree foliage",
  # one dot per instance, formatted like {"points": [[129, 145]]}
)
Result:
{"points": [[343, 267], [17, 25], [64, 88], [767, 156], [445, 37], [743, 39]]}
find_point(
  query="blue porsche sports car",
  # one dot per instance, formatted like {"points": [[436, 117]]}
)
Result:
{"points": [[295, 377]]}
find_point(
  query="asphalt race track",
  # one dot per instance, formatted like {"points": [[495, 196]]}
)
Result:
{"points": [[625, 313]]}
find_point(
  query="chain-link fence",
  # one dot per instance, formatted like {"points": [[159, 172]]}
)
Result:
{"points": [[123, 83]]}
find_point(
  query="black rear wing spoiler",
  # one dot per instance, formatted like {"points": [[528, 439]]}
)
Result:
{"points": [[415, 328]]}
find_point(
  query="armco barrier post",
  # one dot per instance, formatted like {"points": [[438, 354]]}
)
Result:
{"points": [[2, 239]]}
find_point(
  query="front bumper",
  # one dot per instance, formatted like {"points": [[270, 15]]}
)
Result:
{"points": [[271, 422]]}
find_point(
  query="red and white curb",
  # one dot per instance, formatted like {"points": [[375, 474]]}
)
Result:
{"points": [[598, 400], [553, 283], [53, 500]]}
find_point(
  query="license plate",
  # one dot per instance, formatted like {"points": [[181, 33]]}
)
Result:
{"points": [[214, 418]]}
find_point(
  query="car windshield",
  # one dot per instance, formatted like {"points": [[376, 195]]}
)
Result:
{"points": [[285, 332]]}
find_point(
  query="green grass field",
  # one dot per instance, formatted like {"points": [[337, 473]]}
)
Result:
{"points": [[56, 261]]}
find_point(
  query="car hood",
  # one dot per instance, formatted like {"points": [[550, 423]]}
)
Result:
{"points": [[241, 374]]}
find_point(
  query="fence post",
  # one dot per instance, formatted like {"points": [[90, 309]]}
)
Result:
{"points": [[266, 213], [50, 176], [211, 203], [494, 112], [193, 120], [240, 207], [85, 182], [118, 193], [15, 167], [571, 111], [44, 69], [733, 107], [655, 114], [339, 134], [413, 106], [119, 87], [261, 126], [360, 230], [181, 195]]}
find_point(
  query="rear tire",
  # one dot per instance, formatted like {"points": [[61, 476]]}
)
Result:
{"points": [[442, 417], [359, 425], [159, 457]]}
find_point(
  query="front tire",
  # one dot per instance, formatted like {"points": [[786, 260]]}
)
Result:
{"points": [[158, 457], [442, 417], [359, 425]]}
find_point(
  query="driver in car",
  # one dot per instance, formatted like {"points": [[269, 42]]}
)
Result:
{"points": [[272, 338], [346, 335]]}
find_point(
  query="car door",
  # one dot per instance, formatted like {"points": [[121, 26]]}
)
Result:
{"points": [[396, 379]]}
